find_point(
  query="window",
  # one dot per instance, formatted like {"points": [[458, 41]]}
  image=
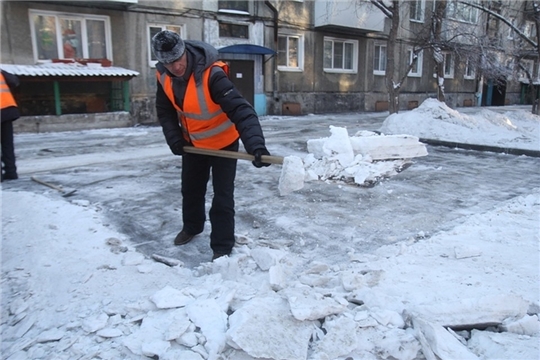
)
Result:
{"points": [[448, 65], [462, 12], [528, 66], [470, 74], [379, 59], [340, 55], [417, 10], [510, 29], [233, 30], [416, 70], [530, 29], [69, 36], [290, 52], [241, 7], [153, 29]]}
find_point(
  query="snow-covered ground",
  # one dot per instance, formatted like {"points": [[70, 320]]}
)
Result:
{"points": [[73, 287]]}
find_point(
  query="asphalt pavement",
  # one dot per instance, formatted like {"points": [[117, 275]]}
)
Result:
{"points": [[130, 175]]}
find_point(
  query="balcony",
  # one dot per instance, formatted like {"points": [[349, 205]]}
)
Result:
{"points": [[113, 4], [348, 16]]}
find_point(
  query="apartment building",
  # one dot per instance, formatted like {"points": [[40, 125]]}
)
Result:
{"points": [[285, 56]]}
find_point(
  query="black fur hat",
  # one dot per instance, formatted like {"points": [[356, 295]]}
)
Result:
{"points": [[168, 46]]}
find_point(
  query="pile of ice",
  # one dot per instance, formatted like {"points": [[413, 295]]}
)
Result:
{"points": [[363, 159], [434, 120]]}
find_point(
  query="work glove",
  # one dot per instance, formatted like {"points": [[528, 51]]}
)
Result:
{"points": [[258, 162], [178, 148]]}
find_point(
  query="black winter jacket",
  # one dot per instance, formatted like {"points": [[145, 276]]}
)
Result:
{"points": [[222, 90]]}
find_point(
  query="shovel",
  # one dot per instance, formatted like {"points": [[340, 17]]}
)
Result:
{"points": [[292, 172], [65, 193]]}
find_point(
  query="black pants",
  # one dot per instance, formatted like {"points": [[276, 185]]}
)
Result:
{"points": [[195, 175], [8, 149]]}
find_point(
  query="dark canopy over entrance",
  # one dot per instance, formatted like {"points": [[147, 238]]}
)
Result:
{"points": [[247, 49]]}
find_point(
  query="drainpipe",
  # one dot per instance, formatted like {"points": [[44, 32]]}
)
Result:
{"points": [[274, 75]]}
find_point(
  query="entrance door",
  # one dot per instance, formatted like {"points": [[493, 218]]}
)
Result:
{"points": [[494, 94], [241, 73]]}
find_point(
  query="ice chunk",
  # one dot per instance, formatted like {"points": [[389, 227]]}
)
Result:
{"points": [[527, 325], [436, 340], [169, 297], [386, 147], [292, 175], [340, 338], [265, 328], [212, 320], [95, 323], [308, 304], [339, 145]]}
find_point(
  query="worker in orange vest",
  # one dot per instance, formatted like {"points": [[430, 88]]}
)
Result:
{"points": [[9, 113], [198, 105]]}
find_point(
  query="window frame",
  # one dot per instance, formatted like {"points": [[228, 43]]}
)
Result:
{"points": [[420, 10], [529, 64], [455, 11], [529, 29], [233, 23], [469, 72], [380, 45], [231, 10], [83, 18], [450, 74], [151, 62], [419, 62], [300, 53], [354, 59]]}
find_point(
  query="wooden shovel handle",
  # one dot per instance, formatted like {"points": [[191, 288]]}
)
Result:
{"points": [[233, 155], [47, 184]]}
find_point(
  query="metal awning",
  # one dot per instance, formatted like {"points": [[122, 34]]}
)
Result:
{"points": [[68, 70], [247, 49]]}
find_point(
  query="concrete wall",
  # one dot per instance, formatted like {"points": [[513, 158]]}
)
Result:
{"points": [[72, 122], [313, 90]]}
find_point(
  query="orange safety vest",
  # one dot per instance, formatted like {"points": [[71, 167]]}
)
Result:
{"points": [[6, 98], [203, 121]]}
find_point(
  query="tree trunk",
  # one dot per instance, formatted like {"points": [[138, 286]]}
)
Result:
{"points": [[536, 106], [393, 91], [438, 16]]}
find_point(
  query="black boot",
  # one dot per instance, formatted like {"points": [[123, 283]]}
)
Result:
{"points": [[183, 238]]}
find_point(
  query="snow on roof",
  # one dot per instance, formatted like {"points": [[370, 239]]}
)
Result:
{"points": [[71, 69]]}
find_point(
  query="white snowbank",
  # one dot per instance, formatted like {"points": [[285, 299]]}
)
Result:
{"points": [[436, 121]]}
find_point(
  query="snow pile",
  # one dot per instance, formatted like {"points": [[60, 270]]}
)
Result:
{"points": [[434, 120], [76, 290], [363, 159]]}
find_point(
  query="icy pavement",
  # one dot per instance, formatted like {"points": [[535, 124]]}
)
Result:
{"points": [[439, 260]]}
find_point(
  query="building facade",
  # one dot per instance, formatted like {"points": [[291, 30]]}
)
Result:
{"points": [[285, 56]]}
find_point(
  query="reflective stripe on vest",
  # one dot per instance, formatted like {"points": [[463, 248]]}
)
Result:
{"points": [[6, 98], [202, 120]]}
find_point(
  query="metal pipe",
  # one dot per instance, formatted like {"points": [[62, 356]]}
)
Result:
{"points": [[274, 75]]}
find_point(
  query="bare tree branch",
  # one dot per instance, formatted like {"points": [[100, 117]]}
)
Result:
{"points": [[382, 6], [503, 19]]}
